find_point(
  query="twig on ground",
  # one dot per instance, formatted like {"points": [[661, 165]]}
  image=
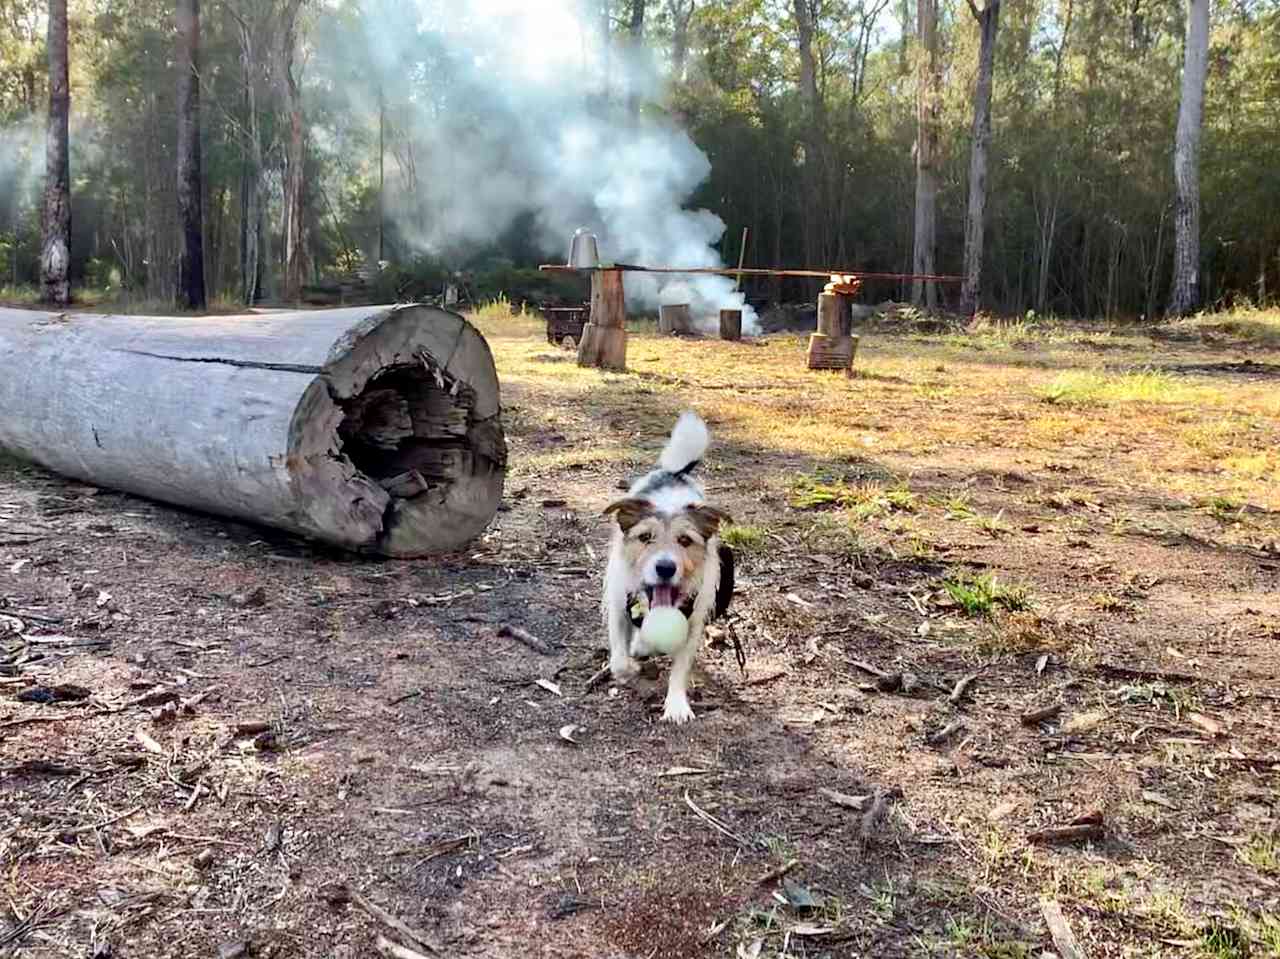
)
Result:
{"points": [[945, 733], [713, 821], [1063, 938], [961, 688], [391, 922], [1056, 834], [506, 631], [393, 950], [777, 872]]}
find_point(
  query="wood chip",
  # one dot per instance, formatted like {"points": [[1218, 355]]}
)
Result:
{"points": [[1158, 799], [811, 929], [1207, 725], [393, 950], [1043, 714], [675, 771], [549, 686], [567, 732], [1063, 938], [1041, 663], [147, 743]]}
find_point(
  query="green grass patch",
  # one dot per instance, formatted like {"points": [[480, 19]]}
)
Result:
{"points": [[1093, 388], [864, 500], [982, 595], [1263, 854], [745, 539]]}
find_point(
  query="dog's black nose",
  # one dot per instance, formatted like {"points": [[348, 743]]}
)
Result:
{"points": [[665, 569]]}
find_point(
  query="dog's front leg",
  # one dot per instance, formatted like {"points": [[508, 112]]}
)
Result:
{"points": [[621, 665], [677, 709]]}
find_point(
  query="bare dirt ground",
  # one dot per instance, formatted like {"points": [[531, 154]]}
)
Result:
{"points": [[250, 738]]}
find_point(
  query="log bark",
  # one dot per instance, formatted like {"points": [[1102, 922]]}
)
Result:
{"points": [[604, 339], [55, 254], [730, 324], [1186, 163], [975, 219], [375, 429], [191, 288]]}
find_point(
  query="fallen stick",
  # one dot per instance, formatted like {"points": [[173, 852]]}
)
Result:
{"points": [[961, 688], [1037, 716], [507, 631], [1130, 672], [391, 922], [393, 950], [777, 872], [597, 677], [712, 821], [1063, 938], [1057, 834], [945, 733]]}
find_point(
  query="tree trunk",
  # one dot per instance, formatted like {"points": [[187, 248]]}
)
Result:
{"points": [[635, 38], [975, 219], [814, 131], [250, 177], [1186, 163], [925, 293], [680, 17], [55, 254], [191, 291], [373, 429], [295, 258]]}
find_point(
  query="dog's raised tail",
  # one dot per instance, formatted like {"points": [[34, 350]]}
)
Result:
{"points": [[687, 446]]}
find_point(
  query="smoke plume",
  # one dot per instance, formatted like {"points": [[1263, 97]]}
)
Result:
{"points": [[498, 109]]}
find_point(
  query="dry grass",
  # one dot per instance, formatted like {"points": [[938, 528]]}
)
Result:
{"points": [[1191, 435]]}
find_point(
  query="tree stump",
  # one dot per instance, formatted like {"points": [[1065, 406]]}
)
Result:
{"points": [[675, 318], [832, 347], [375, 429], [604, 339], [730, 324]]}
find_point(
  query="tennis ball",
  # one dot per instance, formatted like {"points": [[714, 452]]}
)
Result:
{"points": [[665, 629]]}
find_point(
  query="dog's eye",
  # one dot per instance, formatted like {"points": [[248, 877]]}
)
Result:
{"points": [[685, 541], [645, 537]]}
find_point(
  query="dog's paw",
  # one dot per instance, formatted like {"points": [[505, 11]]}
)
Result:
{"points": [[623, 669], [677, 710]]}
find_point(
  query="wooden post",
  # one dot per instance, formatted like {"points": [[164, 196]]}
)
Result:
{"points": [[835, 314], [730, 324], [832, 347], [675, 318], [604, 339]]}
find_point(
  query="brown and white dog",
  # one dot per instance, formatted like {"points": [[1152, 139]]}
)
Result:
{"points": [[666, 552]]}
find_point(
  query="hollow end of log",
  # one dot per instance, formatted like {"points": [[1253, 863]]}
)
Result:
{"points": [[400, 442]]}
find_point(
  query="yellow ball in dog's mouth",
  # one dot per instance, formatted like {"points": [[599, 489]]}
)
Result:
{"points": [[665, 629]]}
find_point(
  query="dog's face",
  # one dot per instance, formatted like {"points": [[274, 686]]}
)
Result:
{"points": [[666, 552]]}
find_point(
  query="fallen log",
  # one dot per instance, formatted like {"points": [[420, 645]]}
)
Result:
{"points": [[376, 429]]}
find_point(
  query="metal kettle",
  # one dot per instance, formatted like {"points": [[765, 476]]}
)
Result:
{"points": [[584, 252]]}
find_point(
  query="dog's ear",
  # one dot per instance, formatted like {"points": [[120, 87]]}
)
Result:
{"points": [[708, 519], [629, 511]]}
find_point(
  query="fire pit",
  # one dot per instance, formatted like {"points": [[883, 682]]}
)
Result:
{"points": [[565, 321]]}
